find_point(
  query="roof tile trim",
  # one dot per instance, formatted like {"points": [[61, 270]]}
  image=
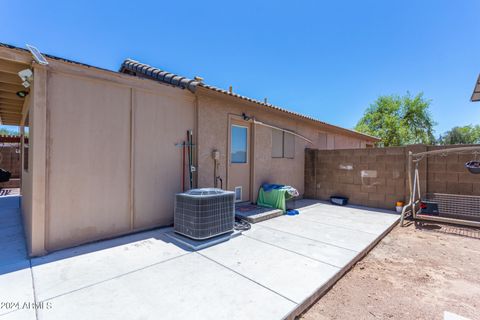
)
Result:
{"points": [[185, 83], [160, 75], [191, 85]]}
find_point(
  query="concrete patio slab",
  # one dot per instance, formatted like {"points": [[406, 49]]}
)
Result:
{"points": [[272, 271], [285, 272], [319, 251], [187, 287], [16, 284], [16, 289], [72, 269], [195, 245], [23, 314], [348, 218], [337, 236], [352, 211]]}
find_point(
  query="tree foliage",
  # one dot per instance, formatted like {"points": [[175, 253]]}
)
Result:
{"points": [[7, 132], [461, 135], [399, 120]]}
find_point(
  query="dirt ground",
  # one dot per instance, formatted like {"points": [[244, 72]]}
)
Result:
{"points": [[417, 272]]}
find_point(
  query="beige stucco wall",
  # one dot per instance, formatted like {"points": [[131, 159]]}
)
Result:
{"points": [[213, 114], [105, 160], [26, 182], [89, 159], [161, 120], [34, 179], [110, 161]]}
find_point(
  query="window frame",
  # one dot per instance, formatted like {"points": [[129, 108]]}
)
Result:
{"points": [[247, 152], [283, 155]]}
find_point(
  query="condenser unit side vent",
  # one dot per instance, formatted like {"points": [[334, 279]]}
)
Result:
{"points": [[238, 194]]}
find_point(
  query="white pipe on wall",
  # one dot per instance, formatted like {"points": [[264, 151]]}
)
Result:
{"points": [[284, 130]]}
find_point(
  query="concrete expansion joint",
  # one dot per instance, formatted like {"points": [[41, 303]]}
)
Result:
{"points": [[35, 298], [116, 277], [327, 243], [303, 255], [337, 226], [243, 276]]}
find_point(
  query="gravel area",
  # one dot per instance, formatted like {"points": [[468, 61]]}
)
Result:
{"points": [[416, 272]]}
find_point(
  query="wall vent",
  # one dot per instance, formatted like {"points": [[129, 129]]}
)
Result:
{"points": [[238, 194]]}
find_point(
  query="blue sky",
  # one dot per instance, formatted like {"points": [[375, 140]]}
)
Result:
{"points": [[327, 59]]}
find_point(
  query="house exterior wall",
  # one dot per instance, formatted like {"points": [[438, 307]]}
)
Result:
{"points": [[34, 179], [161, 121], [89, 158], [26, 181], [111, 162], [214, 111], [104, 158]]}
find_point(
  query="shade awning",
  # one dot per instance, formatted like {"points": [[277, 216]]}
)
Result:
{"points": [[11, 104]]}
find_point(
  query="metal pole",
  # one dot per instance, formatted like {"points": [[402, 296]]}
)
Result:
{"points": [[410, 173]]}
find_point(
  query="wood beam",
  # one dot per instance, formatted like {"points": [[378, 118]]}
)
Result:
{"points": [[10, 78], [16, 55], [10, 117], [25, 110], [8, 122], [11, 102], [15, 121], [12, 67], [12, 112], [11, 87], [11, 96], [10, 107], [5, 102]]}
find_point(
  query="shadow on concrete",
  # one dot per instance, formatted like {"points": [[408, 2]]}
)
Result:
{"points": [[13, 249]]}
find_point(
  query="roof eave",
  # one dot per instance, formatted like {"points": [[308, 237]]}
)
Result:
{"points": [[476, 91], [208, 89]]}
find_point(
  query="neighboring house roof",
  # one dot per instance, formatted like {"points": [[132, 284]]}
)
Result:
{"points": [[476, 91], [130, 66]]}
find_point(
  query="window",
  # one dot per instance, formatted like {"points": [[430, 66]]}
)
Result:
{"points": [[283, 144], [288, 145], [277, 143], [239, 138]]}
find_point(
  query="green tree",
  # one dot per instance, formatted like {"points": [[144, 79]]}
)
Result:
{"points": [[461, 135], [7, 132], [399, 120]]}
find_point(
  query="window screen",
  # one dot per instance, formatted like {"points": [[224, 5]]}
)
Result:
{"points": [[277, 143], [238, 194], [283, 144], [239, 137], [288, 145]]}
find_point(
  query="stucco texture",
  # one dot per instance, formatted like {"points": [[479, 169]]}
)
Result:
{"points": [[112, 164], [107, 160], [213, 118]]}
